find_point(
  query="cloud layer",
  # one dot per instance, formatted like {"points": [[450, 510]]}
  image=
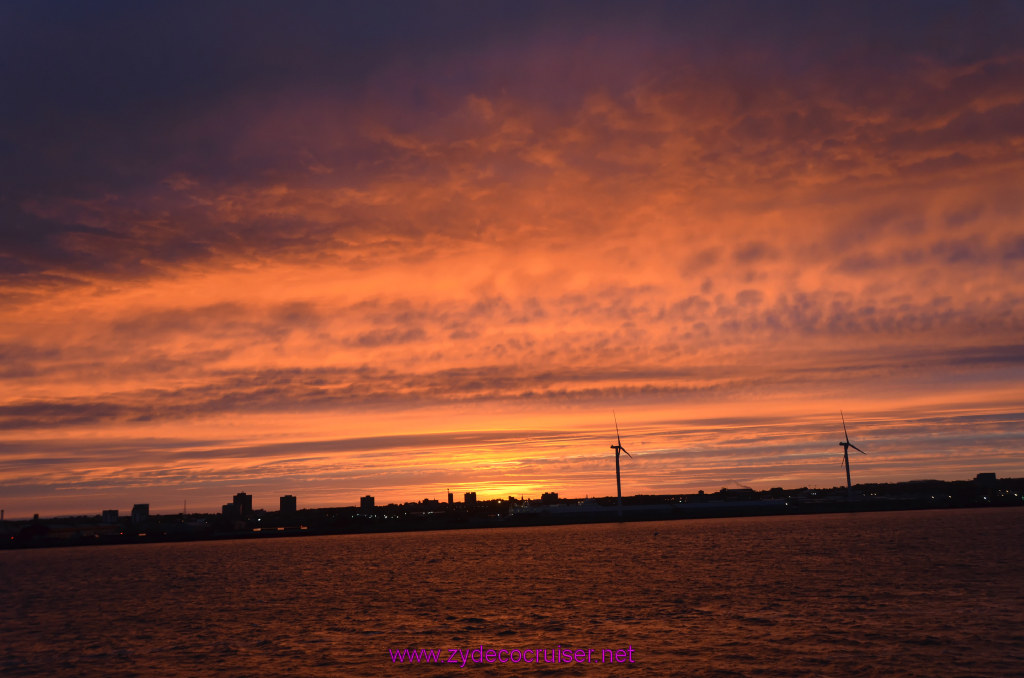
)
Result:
{"points": [[386, 249]]}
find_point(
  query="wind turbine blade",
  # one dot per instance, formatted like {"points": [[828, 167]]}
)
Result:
{"points": [[617, 437], [857, 448], [627, 453], [844, 426]]}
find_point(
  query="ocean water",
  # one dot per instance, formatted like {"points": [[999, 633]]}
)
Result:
{"points": [[924, 593]]}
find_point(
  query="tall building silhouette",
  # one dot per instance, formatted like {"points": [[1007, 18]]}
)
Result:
{"points": [[366, 502], [288, 504], [140, 514], [243, 503], [470, 499]]}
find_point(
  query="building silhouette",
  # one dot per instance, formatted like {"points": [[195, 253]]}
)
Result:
{"points": [[140, 514], [549, 498], [243, 502], [985, 479], [451, 500], [366, 502], [110, 516], [288, 504], [470, 499]]}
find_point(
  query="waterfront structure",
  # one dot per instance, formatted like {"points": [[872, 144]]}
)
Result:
{"points": [[110, 516], [846, 455], [288, 504], [140, 514], [470, 499], [366, 502], [243, 502], [618, 448], [985, 479]]}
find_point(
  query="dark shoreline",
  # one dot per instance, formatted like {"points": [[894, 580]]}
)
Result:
{"points": [[644, 513]]}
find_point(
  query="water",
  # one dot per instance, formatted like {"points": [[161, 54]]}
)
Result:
{"points": [[914, 593]]}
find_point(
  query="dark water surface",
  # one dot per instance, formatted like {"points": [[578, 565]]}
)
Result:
{"points": [[925, 593]]}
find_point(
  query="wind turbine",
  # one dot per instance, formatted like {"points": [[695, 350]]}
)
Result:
{"points": [[618, 448], [846, 455]]}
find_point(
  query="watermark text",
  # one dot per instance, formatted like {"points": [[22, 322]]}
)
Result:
{"points": [[463, 656]]}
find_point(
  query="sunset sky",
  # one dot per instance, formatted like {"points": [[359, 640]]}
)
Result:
{"points": [[390, 248]]}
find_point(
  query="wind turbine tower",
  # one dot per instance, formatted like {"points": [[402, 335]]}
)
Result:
{"points": [[618, 448], [846, 455]]}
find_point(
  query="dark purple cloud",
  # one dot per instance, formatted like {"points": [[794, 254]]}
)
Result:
{"points": [[113, 100]]}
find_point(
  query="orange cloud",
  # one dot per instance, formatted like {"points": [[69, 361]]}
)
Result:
{"points": [[449, 273]]}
